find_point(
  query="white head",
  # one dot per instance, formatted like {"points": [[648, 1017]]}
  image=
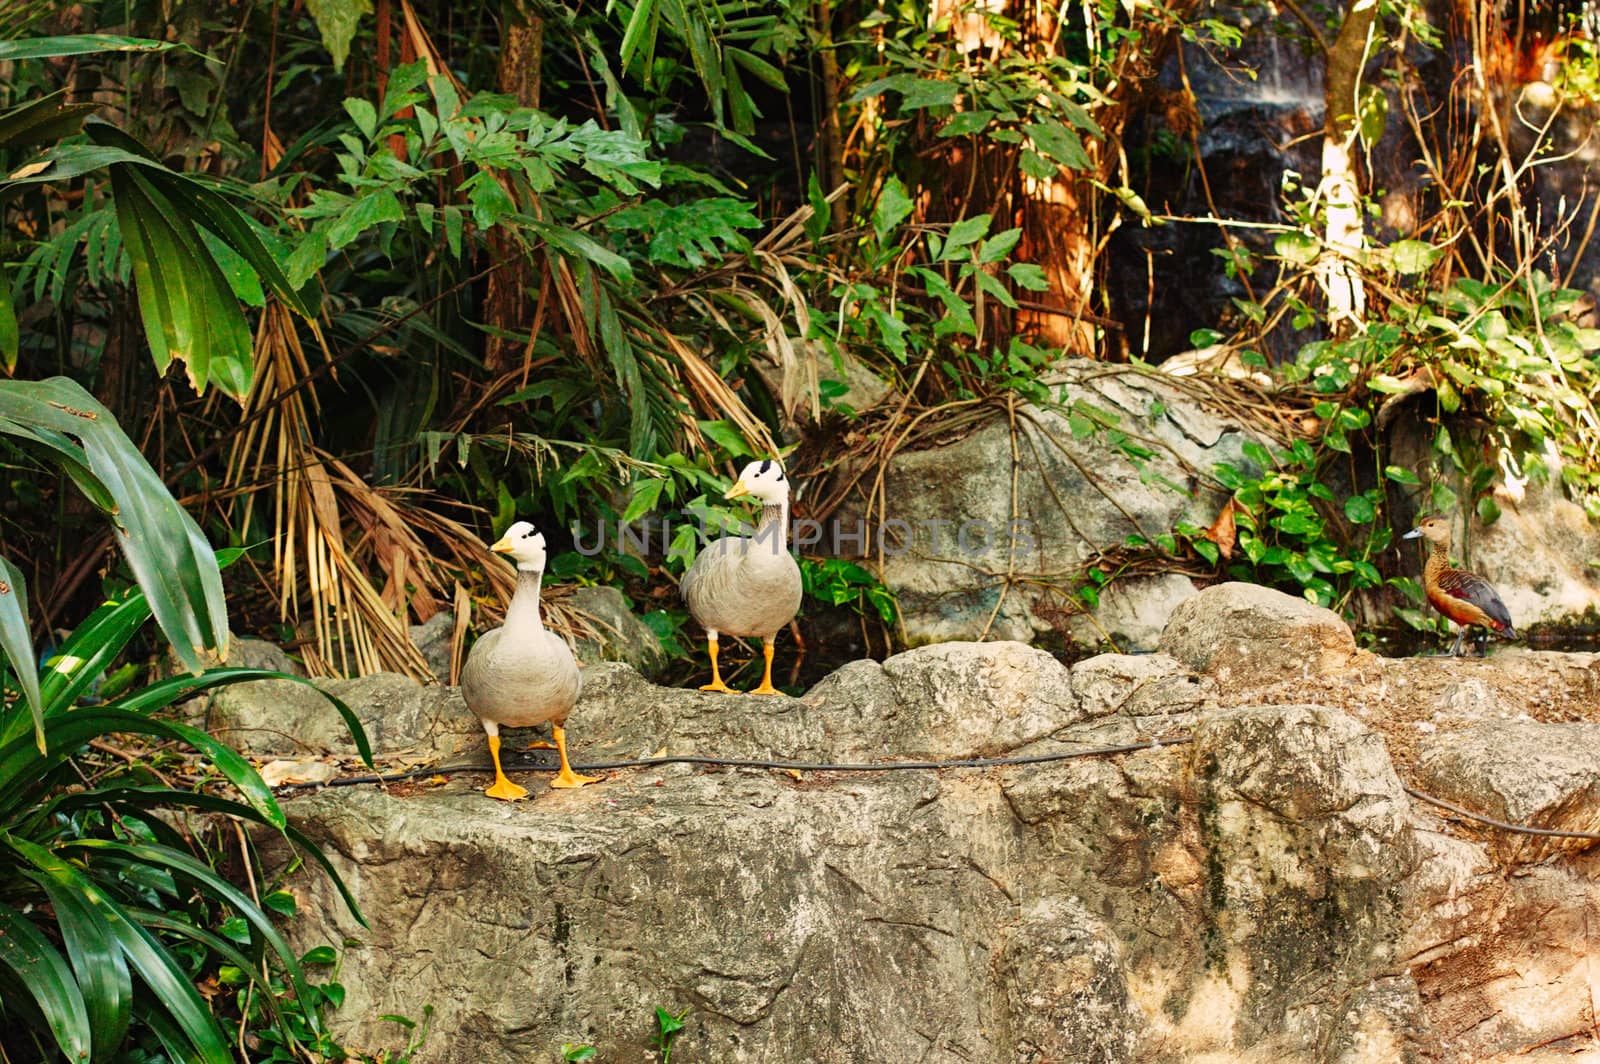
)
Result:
{"points": [[525, 545], [763, 481]]}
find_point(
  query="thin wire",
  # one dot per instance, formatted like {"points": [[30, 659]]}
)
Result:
{"points": [[888, 766], [734, 762], [1520, 829]]}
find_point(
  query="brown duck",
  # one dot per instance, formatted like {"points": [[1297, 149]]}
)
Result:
{"points": [[1466, 598]]}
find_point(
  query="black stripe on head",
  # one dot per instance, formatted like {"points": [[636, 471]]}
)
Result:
{"points": [[766, 464], [780, 475]]}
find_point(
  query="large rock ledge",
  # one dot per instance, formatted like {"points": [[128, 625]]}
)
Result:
{"points": [[1265, 892]]}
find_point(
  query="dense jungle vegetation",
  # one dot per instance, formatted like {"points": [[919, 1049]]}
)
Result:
{"points": [[364, 281]]}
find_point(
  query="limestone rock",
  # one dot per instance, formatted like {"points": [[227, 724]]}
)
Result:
{"points": [[399, 715], [1132, 613], [620, 634], [1247, 635], [1542, 775], [434, 639], [950, 514], [245, 652]]}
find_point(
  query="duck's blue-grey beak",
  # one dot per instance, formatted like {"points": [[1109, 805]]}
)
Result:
{"points": [[1413, 534]]}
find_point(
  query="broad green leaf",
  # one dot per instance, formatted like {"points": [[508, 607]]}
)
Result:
{"points": [[77, 44], [159, 970], [727, 437], [999, 246], [336, 21], [893, 206], [1359, 509], [363, 114], [188, 307], [1059, 143], [98, 963], [168, 554], [1413, 256], [1400, 475], [1488, 510], [10, 336], [1297, 247], [963, 234], [966, 123], [40, 970], [44, 120], [646, 493], [1028, 275], [368, 212], [821, 210], [17, 643]]}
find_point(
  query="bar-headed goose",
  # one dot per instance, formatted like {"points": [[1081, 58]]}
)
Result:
{"points": [[520, 675], [748, 585]]}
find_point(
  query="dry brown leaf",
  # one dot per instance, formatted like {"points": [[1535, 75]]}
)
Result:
{"points": [[304, 770], [1223, 532]]}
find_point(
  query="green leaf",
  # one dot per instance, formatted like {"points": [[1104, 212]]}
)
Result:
{"points": [[966, 123], [159, 970], [1373, 112], [689, 234], [1400, 475], [336, 21], [16, 641], [1488, 510], [1061, 144], [1359, 509], [1029, 276], [41, 971], [10, 335], [646, 493], [363, 114], [163, 693], [168, 554], [44, 120], [999, 246], [77, 44], [821, 210], [963, 234], [893, 206], [1413, 256], [640, 31], [371, 210], [97, 962], [1297, 247], [726, 437]]}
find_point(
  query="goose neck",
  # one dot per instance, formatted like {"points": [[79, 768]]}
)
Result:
{"points": [[524, 609]]}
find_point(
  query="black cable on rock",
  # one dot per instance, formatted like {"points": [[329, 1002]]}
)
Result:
{"points": [[736, 762], [887, 766]]}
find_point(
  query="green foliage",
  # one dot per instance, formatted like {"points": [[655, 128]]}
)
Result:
{"points": [[190, 249], [669, 1026], [838, 582], [62, 423], [110, 916]]}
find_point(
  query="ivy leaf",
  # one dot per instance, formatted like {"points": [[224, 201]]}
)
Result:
{"points": [[376, 207], [1413, 256], [336, 21], [1359, 509]]}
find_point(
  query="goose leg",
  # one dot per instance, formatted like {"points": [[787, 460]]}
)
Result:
{"points": [[501, 788], [716, 683], [766, 687], [566, 777]]}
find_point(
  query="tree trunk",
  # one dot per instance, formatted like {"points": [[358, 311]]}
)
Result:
{"points": [[1339, 190], [508, 303]]}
